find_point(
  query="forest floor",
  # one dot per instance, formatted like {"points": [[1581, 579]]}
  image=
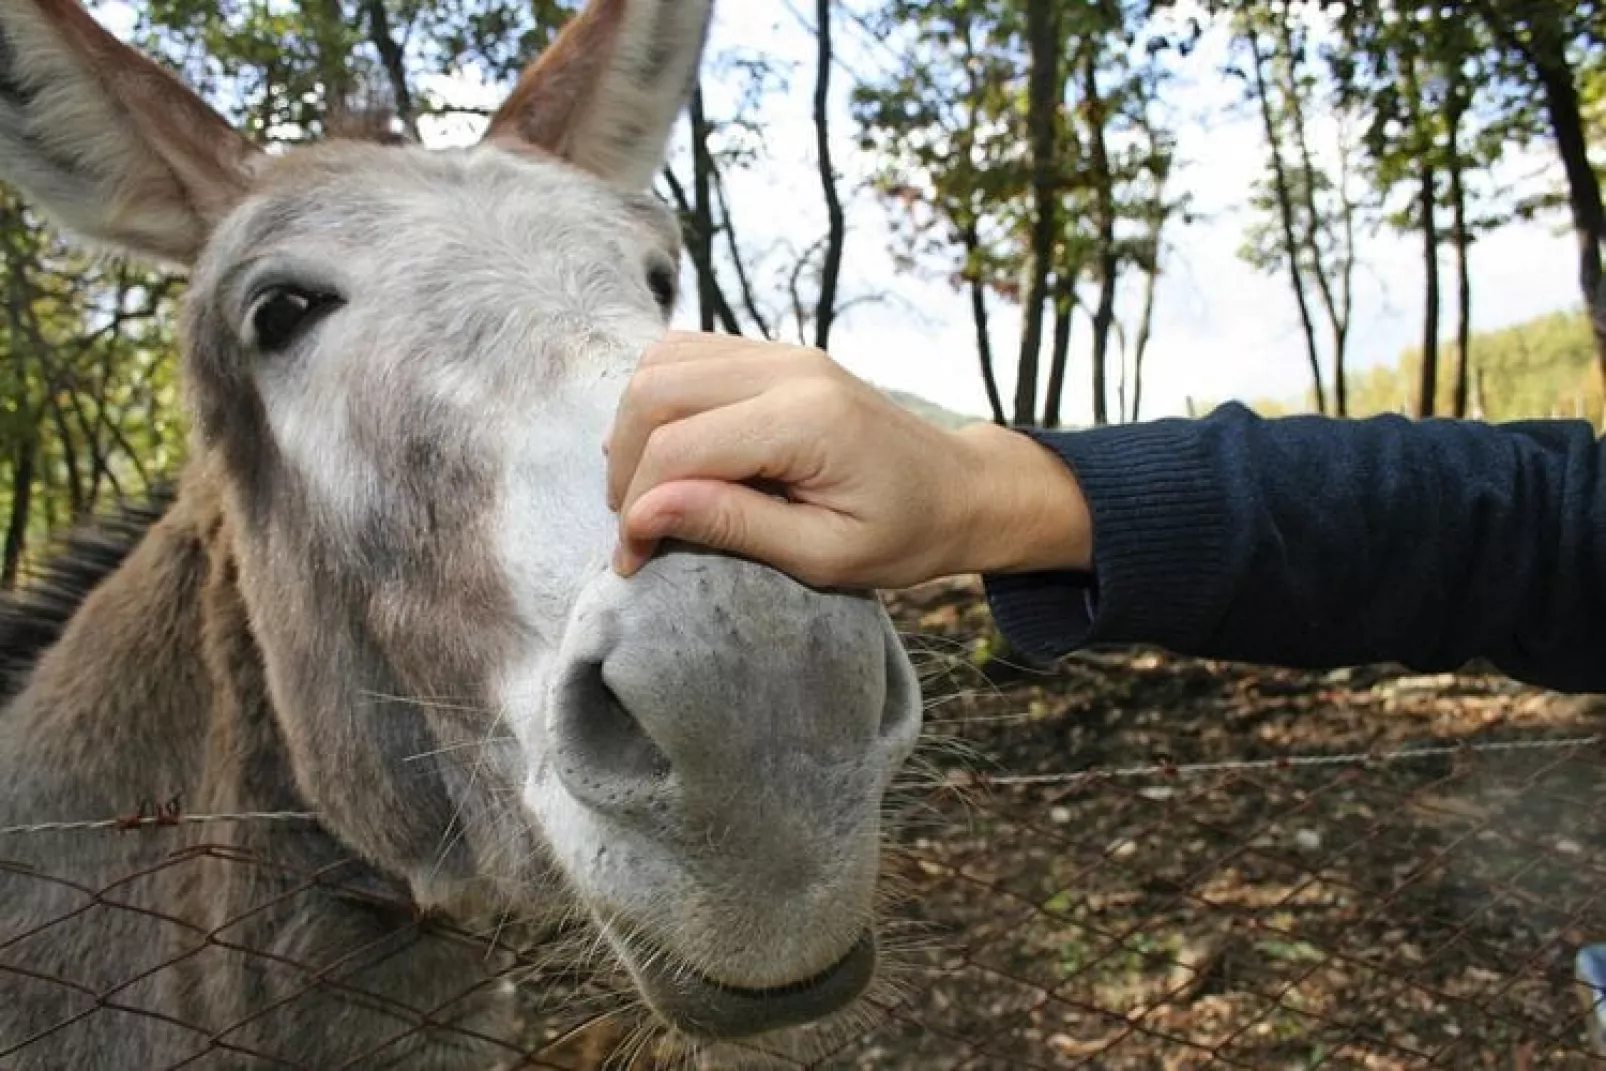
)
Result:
{"points": [[1382, 914]]}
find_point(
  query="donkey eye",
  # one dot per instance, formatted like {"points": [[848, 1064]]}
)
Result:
{"points": [[661, 281], [283, 314]]}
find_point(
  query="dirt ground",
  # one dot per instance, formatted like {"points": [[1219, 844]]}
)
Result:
{"points": [[1385, 914]]}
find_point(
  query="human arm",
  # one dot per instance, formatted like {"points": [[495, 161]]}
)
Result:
{"points": [[1320, 543]]}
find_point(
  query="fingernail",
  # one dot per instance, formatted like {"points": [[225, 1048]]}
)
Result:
{"points": [[621, 562]]}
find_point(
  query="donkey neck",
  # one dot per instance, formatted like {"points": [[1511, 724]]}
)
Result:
{"points": [[151, 688]]}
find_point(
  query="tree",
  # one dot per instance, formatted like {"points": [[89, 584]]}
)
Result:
{"points": [[836, 225], [1538, 39], [940, 130], [1044, 43], [1313, 210]]}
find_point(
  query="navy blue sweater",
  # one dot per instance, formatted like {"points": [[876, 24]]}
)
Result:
{"points": [[1319, 543]]}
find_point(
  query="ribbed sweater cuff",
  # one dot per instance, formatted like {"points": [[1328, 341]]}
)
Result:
{"points": [[1160, 546]]}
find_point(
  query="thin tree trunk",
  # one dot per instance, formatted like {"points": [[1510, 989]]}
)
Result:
{"points": [[1043, 90], [1583, 195], [1427, 388], [1462, 240], [707, 279], [1285, 210], [21, 505], [1335, 307], [831, 270], [1064, 307], [394, 61], [1109, 262], [76, 502], [1548, 59], [979, 317], [1346, 281], [1145, 329], [701, 229]]}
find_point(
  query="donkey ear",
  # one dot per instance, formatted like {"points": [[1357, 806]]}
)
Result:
{"points": [[607, 93], [106, 141]]}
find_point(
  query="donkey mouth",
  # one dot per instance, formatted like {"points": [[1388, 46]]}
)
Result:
{"points": [[705, 1008]]}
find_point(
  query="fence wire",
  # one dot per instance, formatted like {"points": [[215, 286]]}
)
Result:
{"points": [[1419, 908]]}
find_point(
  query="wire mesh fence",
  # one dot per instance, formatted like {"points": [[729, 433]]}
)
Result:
{"points": [[1422, 907]]}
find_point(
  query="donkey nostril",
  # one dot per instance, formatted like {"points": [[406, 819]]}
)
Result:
{"points": [[606, 757]]}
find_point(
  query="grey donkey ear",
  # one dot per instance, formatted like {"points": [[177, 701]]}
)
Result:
{"points": [[106, 141], [607, 93]]}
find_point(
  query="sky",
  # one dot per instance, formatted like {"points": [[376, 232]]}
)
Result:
{"points": [[1221, 330]]}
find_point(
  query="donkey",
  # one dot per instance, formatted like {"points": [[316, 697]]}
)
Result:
{"points": [[381, 597]]}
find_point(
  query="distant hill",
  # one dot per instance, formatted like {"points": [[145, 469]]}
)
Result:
{"points": [[1542, 368], [943, 418]]}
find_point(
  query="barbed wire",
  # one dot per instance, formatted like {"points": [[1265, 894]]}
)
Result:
{"points": [[170, 814], [1395, 756], [164, 818]]}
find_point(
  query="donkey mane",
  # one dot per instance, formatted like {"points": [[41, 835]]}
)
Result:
{"points": [[33, 617]]}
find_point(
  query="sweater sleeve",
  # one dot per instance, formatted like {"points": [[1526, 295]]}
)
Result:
{"points": [[1318, 543]]}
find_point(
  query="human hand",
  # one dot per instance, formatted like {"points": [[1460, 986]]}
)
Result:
{"points": [[852, 489]]}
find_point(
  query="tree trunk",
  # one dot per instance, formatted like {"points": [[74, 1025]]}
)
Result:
{"points": [[1109, 263], [394, 62], [1285, 211], [1346, 280], [21, 505], [978, 315], [1145, 330], [1064, 306], [1583, 193], [1336, 306], [831, 269], [1043, 92], [1546, 54], [700, 232], [1462, 240], [709, 292], [1427, 388]]}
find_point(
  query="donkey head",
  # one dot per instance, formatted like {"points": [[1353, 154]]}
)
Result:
{"points": [[404, 363]]}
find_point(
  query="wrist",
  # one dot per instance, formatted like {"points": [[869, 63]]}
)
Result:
{"points": [[1024, 510]]}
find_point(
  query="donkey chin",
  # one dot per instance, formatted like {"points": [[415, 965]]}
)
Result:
{"points": [[715, 784]]}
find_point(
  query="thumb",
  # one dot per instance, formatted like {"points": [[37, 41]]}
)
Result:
{"points": [[727, 517]]}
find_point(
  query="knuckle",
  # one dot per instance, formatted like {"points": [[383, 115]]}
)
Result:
{"points": [[664, 447], [644, 386], [820, 362], [727, 527], [826, 399]]}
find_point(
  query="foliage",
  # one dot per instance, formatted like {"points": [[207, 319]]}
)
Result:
{"points": [[1541, 369], [948, 131], [88, 400]]}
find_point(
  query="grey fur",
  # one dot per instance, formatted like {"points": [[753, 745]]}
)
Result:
{"points": [[380, 596]]}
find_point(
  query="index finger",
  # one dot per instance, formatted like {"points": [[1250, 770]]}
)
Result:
{"points": [[669, 392]]}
